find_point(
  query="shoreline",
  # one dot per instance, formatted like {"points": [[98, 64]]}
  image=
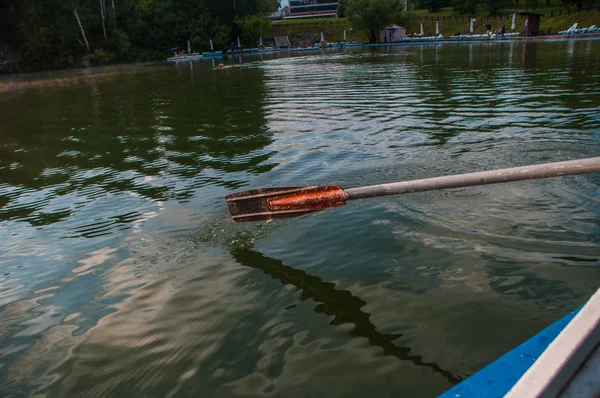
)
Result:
{"points": [[35, 78]]}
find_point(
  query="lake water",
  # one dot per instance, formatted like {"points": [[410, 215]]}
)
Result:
{"points": [[121, 273]]}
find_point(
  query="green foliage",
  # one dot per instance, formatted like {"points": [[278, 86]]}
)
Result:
{"points": [[406, 18], [341, 11], [495, 6], [491, 7], [44, 39], [465, 6], [37, 48], [431, 5], [102, 57], [121, 44], [252, 27], [47, 34], [434, 5], [531, 4], [371, 15], [221, 36], [580, 4], [10, 10]]}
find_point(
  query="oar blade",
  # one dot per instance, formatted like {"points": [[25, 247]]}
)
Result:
{"points": [[275, 203]]}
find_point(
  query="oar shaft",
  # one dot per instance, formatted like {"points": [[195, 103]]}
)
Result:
{"points": [[547, 170]]}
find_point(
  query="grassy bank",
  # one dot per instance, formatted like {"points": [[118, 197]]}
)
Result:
{"points": [[306, 29], [460, 23], [449, 24], [562, 22]]}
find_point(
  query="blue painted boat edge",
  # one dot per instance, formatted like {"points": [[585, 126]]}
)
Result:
{"points": [[497, 378]]}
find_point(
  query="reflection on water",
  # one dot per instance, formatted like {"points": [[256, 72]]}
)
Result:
{"points": [[341, 304], [122, 274]]}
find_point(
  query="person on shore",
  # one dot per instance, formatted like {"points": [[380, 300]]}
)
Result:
{"points": [[503, 30], [488, 27]]}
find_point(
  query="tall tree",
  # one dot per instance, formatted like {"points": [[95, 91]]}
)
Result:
{"points": [[114, 15], [85, 40], [371, 15], [103, 14]]}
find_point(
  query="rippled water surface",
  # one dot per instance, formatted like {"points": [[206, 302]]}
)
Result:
{"points": [[121, 274]]}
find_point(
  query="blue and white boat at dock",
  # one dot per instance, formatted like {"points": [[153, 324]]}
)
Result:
{"points": [[193, 57]]}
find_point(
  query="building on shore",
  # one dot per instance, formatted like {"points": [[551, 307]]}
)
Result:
{"points": [[312, 9], [531, 23], [392, 33]]}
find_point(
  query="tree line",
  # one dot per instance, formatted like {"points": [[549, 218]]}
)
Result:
{"points": [[50, 34]]}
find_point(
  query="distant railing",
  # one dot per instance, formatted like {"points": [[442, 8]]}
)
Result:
{"points": [[465, 18], [284, 23]]}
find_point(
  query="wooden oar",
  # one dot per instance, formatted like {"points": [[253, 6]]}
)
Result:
{"points": [[275, 203]]}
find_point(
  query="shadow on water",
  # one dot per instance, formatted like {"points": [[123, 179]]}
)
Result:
{"points": [[341, 304]]}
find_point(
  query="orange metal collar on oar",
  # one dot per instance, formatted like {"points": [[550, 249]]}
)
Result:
{"points": [[311, 199], [276, 203]]}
